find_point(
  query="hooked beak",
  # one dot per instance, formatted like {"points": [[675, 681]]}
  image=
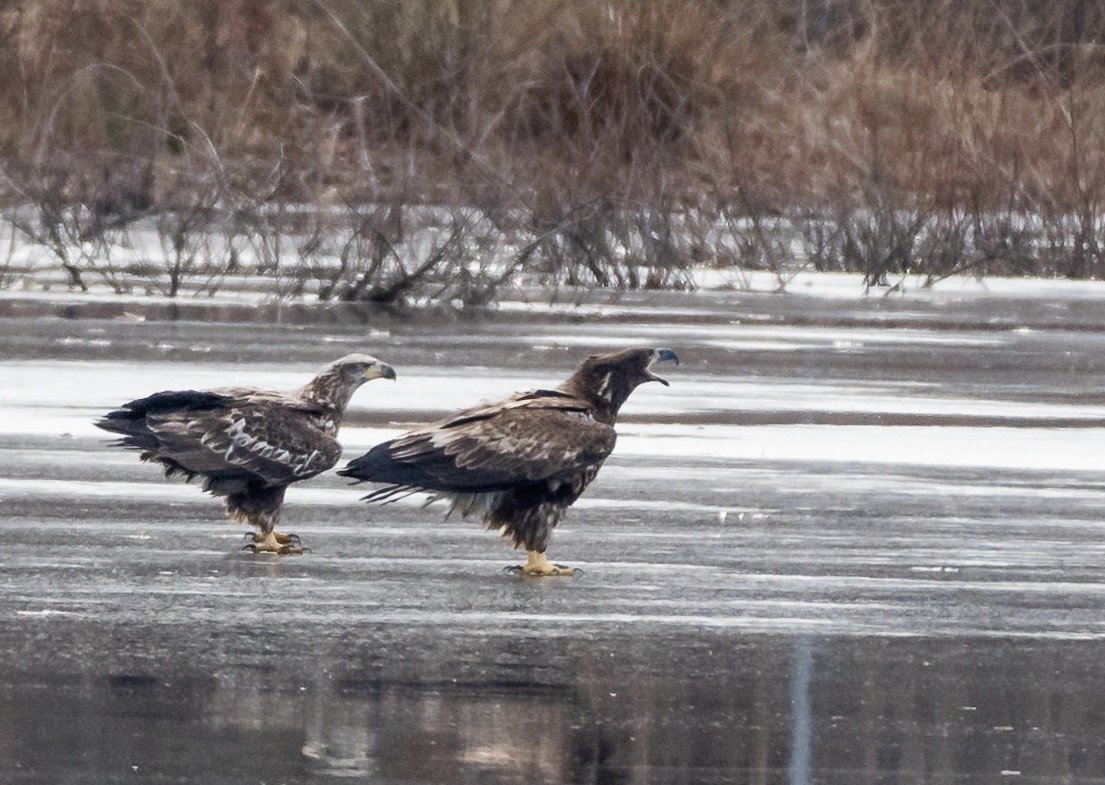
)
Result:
{"points": [[378, 370], [661, 356]]}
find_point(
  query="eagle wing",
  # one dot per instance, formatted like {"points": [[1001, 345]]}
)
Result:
{"points": [[542, 435], [226, 434]]}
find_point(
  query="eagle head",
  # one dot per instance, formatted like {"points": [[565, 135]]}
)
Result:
{"points": [[608, 379], [336, 383], [356, 369]]}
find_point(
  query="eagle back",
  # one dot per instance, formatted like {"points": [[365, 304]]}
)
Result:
{"points": [[275, 438], [537, 436]]}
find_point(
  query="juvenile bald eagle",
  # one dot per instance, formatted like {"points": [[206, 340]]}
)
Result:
{"points": [[520, 462], [248, 444]]}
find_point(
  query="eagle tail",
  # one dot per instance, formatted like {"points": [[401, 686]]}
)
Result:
{"points": [[391, 493], [378, 465], [129, 420]]}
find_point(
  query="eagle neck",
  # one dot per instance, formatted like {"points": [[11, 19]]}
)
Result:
{"points": [[330, 392], [604, 403]]}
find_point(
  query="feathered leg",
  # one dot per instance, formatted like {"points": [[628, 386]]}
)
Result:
{"points": [[528, 525], [262, 508]]}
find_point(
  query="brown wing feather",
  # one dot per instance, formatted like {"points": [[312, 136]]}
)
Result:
{"points": [[517, 441], [277, 443]]}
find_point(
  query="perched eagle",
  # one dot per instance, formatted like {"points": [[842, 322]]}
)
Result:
{"points": [[520, 462], [248, 444]]}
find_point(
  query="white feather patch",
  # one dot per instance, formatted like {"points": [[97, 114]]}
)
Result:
{"points": [[604, 389], [241, 440]]}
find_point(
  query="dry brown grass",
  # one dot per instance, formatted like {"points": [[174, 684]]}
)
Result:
{"points": [[573, 125]]}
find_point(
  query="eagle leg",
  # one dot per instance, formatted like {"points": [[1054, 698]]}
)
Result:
{"points": [[274, 542], [538, 564]]}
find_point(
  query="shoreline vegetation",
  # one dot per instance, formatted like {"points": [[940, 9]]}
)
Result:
{"points": [[400, 151]]}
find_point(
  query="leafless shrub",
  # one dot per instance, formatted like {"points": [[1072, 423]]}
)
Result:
{"points": [[1005, 243], [184, 233], [879, 239], [737, 236], [583, 144], [9, 273], [71, 215], [1072, 246], [610, 244], [412, 252], [357, 250], [943, 248]]}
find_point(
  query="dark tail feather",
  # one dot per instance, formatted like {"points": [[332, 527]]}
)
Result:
{"points": [[163, 402], [134, 430], [377, 465], [130, 419], [391, 493]]}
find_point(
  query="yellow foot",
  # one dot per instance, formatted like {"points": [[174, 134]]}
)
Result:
{"points": [[538, 564], [274, 542]]}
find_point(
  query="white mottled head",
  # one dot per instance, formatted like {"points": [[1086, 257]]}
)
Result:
{"points": [[336, 383]]}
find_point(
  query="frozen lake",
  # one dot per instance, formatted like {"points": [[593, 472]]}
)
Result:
{"points": [[856, 541]]}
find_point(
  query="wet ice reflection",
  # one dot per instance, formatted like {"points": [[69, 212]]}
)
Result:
{"points": [[613, 709]]}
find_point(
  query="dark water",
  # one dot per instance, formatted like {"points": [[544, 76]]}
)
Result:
{"points": [[855, 542]]}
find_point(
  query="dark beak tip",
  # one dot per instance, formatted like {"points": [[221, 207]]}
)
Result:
{"points": [[667, 355]]}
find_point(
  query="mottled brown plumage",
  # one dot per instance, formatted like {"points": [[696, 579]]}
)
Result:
{"points": [[247, 444], [520, 462]]}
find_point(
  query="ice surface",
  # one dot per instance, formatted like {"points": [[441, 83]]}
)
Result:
{"points": [[891, 509]]}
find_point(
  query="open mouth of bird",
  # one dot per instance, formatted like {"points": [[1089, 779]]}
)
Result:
{"points": [[661, 356]]}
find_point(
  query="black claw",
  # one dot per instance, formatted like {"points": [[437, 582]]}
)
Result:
{"points": [[566, 571], [249, 546], [518, 569]]}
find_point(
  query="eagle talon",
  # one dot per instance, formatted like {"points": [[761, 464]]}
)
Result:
{"points": [[275, 542], [562, 569], [554, 571], [538, 565], [283, 550]]}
